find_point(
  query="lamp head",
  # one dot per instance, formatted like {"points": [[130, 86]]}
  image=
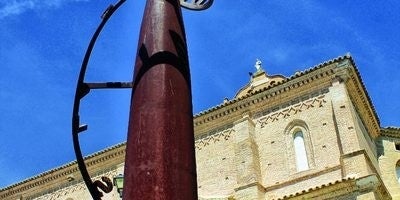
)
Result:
{"points": [[119, 183]]}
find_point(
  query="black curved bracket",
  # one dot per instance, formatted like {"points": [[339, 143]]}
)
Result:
{"points": [[196, 4], [82, 89]]}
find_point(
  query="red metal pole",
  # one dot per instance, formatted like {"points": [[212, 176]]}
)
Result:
{"points": [[160, 156]]}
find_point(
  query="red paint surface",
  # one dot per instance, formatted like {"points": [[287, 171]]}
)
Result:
{"points": [[160, 156]]}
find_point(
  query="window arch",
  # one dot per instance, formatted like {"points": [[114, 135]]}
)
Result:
{"points": [[300, 151], [398, 171]]}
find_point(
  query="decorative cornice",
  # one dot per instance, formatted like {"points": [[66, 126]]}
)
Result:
{"points": [[298, 80], [359, 96], [292, 110], [62, 172], [370, 104], [64, 191], [391, 132], [61, 192], [265, 99], [306, 77], [211, 139], [277, 84]]}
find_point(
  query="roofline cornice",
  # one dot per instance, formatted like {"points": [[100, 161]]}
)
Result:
{"points": [[350, 74], [391, 132], [64, 171], [235, 107], [297, 75]]}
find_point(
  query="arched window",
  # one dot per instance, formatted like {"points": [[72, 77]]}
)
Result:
{"points": [[300, 151], [398, 171]]}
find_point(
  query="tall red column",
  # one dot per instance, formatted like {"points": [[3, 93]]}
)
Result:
{"points": [[160, 156]]}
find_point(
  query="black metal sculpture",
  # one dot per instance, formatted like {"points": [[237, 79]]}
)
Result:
{"points": [[82, 90]]}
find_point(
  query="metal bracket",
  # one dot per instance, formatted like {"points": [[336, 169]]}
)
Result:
{"points": [[82, 89], [196, 4]]}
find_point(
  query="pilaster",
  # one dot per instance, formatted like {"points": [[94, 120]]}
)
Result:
{"points": [[247, 161], [343, 117]]}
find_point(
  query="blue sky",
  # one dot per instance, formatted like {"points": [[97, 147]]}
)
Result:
{"points": [[42, 43]]}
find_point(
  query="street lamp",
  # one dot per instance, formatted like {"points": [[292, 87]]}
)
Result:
{"points": [[119, 183], [160, 154]]}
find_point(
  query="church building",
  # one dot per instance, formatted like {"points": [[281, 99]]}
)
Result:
{"points": [[313, 135]]}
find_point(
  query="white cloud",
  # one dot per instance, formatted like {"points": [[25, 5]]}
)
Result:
{"points": [[16, 7]]}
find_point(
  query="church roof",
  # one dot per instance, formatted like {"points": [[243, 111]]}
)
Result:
{"points": [[280, 80]]}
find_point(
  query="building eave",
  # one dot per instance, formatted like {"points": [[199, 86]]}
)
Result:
{"points": [[322, 189], [391, 132], [62, 172], [359, 96]]}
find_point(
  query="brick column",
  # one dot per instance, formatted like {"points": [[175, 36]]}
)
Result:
{"points": [[247, 161]]}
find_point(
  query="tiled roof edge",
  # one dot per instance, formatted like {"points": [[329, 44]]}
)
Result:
{"points": [[316, 188], [63, 166], [364, 88], [296, 75]]}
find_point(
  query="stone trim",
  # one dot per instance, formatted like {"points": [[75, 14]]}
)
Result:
{"points": [[214, 131], [258, 97], [381, 187], [224, 135], [361, 152], [332, 187], [303, 178], [259, 186], [292, 110], [364, 153], [339, 188], [261, 113]]}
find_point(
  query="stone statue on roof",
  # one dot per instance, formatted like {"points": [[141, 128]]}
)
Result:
{"points": [[258, 65]]}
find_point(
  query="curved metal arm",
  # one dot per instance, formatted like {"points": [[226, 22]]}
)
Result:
{"points": [[83, 89], [196, 4]]}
